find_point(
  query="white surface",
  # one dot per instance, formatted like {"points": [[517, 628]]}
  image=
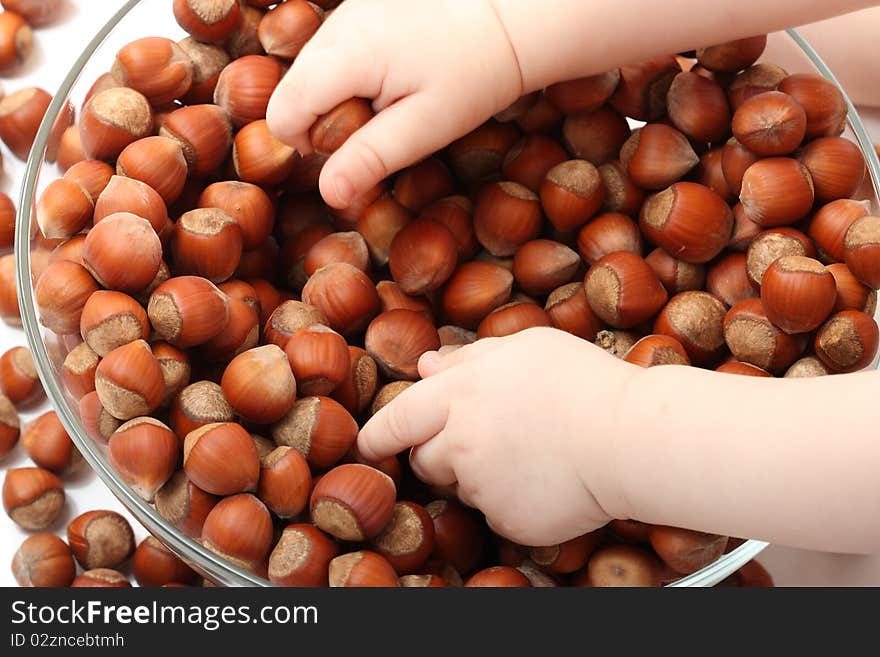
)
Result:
{"points": [[56, 48]]}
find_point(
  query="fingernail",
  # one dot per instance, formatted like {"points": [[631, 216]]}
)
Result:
{"points": [[343, 189]]}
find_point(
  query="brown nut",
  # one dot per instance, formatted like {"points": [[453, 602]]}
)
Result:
{"points": [[100, 539], [32, 497]]}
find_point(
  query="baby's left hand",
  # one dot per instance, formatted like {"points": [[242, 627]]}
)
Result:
{"points": [[524, 426]]}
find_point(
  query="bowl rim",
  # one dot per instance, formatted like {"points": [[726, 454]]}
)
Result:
{"points": [[202, 559]]}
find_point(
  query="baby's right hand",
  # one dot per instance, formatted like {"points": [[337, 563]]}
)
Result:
{"points": [[525, 425], [435, 69]]}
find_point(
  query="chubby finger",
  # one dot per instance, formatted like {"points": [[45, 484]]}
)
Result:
{"points": [[416, 415], [432, 363], [406, 132], [430, 463], [325, 74]]}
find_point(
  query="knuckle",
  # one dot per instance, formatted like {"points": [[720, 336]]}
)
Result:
{"points": [[368, 157], [396, 423]]}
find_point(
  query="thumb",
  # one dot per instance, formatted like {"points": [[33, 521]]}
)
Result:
{"points": [[432, 363], [404, 133]]}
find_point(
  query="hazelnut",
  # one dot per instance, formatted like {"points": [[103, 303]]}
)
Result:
{"points": [[207, 242], [204, 133], [208, 20], [798, 293], [154, 565], [100, 539], [506, 216], [284, 30], [474, 290], [684, 550], [156, 67], [19, 380], [32, 497], [777, 191], [361, 569], [345, 295], [698, 107], [302, 557], [285, 482], [408, 538], [623, 290], [248, 204], [221, 459], [259, 384], [396, 339], [480, 153], [43, 560], [64, 209], [158, 162], [332, 129], [245, 86], [529, 160], [512, 318], [753, 339], [127, 269], [187, 311], [112, 319], [836, 166], [847, 342], [571, 193], [771, 245], [359, 387], [583, 94], [21, 112], [47, 443], [198, 404], [319, 428], [654, 350], [319, 359], [498, 576], [207, 62], [459, 538], [288, 318], [566, 557], [596, 137], [239, 529], [422, 184], [696, 320], [111, 120], [732, 56], [422, 256], [144, 452], [97, 422], [353, 502], [821, 99], [9, 426], [642, 91], [184, 505], [386, 394], [620, 565], [130, 196], [346, 246], [259, 157]]}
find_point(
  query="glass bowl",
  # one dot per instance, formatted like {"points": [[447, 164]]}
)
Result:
{"points": [[137, 19]]}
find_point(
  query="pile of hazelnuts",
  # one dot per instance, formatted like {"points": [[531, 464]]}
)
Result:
{"points": [[226, 333]]}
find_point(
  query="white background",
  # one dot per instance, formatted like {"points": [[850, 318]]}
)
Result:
{"points": [[57, 46]]}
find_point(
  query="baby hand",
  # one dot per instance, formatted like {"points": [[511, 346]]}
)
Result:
{"points": [[525, 426], [435, 69]]}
